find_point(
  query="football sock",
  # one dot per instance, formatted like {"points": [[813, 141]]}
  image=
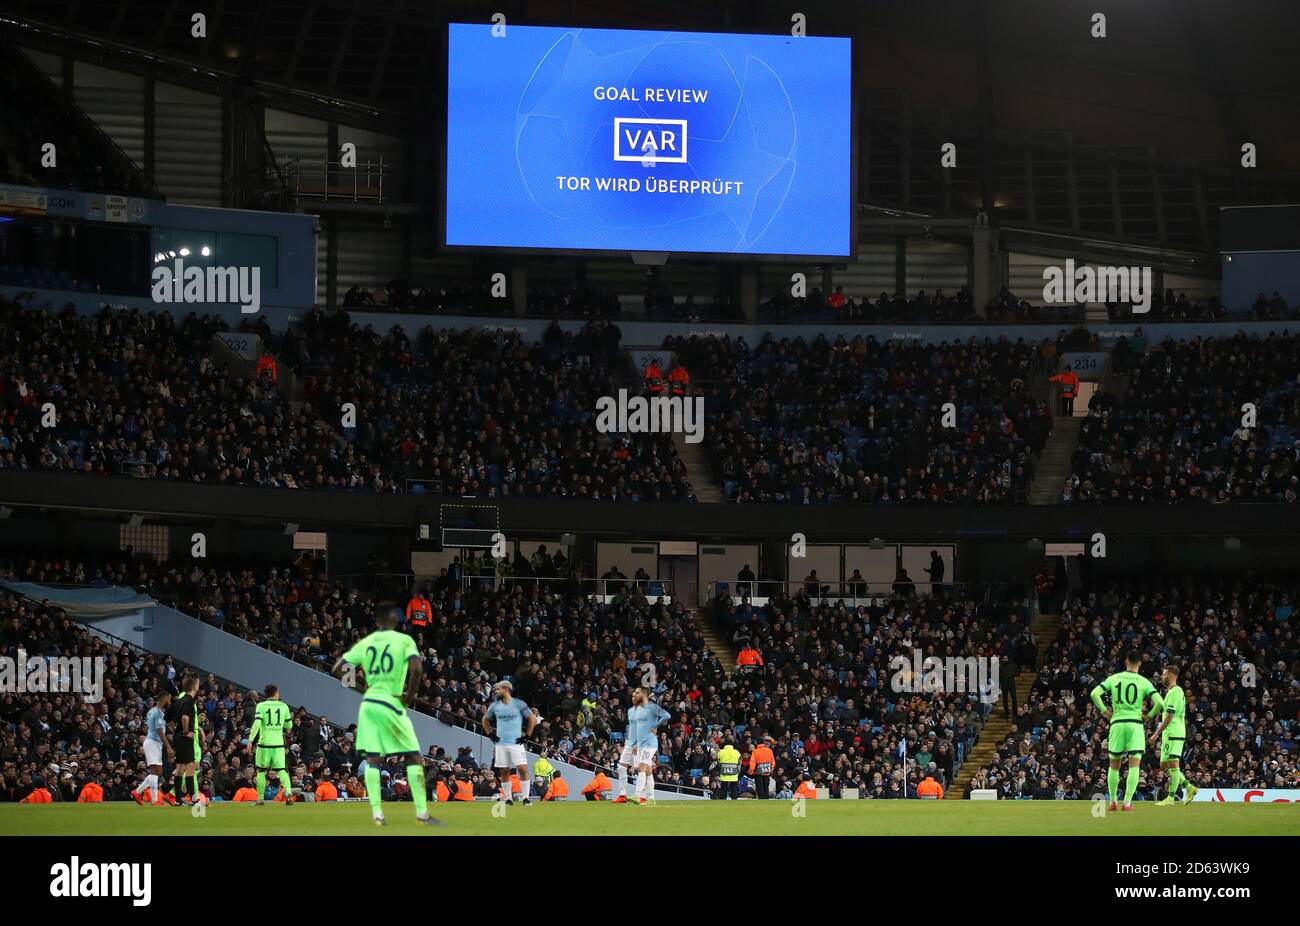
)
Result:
{"points": [[419, 793], [1112, 784], [1133, 774], [372, 789]]}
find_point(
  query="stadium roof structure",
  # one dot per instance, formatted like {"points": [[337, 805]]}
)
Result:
{"points": [[1185, 76]]}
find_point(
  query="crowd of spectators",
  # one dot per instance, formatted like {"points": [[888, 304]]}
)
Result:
{"points": [[1181, 432], [1235, 642], [474, 412], [62, 741], [484, 412], [862, 421], [820, 687], [133, 393]]}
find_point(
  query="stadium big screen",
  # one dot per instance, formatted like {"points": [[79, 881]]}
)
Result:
{"points": [[600, 140]]}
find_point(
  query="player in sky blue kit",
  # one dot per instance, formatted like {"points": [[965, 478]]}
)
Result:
{"points": [[504, 721], [641, 748], [154, 742]]}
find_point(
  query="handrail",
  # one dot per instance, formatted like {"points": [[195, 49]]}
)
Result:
{"points": [[855, 593], [604, 583]]}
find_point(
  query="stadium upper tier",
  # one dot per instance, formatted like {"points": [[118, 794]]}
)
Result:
{"points": [[333, 404]]}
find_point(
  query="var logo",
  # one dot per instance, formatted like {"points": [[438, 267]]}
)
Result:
{"points": [[654, 141]]}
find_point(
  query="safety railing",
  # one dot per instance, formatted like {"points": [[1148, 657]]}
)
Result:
{"points": [[318, 179], [866, 593], [604, 589]]}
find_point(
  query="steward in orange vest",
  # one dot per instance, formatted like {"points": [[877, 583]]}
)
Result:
{"points": [[245, 794], [654, 377], [1069, 381], [418, 611], [92, 793], [38, 796], [595, 787], [325, 791], [679, 379], [266, 364], [441, 793], [806, 790], [558, 790], [929, 789], [464, 790], [761, 766]]}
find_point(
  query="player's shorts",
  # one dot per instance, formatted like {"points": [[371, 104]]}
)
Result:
{"points": [[646, 756], [269, 757], [1171, 747], [185, 749], [509, 755], [384, 730], [628, 755], [153, 752], [1126, 738]]}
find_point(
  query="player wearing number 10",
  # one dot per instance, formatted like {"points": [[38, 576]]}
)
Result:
{"points": [[1128, 691], [390, 665]]}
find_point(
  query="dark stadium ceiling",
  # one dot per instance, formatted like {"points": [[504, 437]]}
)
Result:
{"points": [[1190, 79]]}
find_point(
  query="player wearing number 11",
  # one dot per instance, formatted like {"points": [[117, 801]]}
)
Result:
{"points": [[1128, 691], [390, 668]]}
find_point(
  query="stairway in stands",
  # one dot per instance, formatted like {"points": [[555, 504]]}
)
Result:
{"points": [[997, 728], [699, 471], [715, 638], [1056, 462]]}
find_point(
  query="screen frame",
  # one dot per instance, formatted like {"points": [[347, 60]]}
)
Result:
{"points": [[440, 130]]}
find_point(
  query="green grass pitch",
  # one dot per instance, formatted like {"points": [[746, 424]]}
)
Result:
{"points": [[667, 818]]}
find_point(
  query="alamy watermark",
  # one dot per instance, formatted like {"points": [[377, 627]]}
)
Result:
{"points": [[83, 675], [177, 284], [919, 674], [651, 415], [1071, 285]]}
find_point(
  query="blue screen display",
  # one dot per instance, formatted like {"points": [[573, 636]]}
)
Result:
{"points": [[620, 140]]}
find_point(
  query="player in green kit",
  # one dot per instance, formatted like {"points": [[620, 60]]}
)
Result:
{"points": [[389, 676], [1172, 734], [266, 741], [1128, 691]]}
